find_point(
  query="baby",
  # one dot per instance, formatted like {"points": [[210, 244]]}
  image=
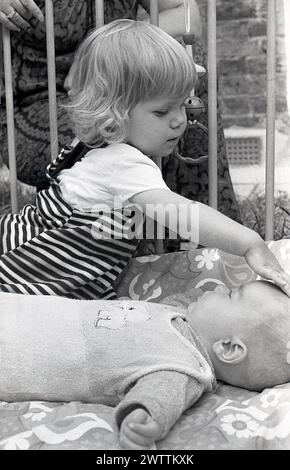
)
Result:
{"points": [[151, 361]]}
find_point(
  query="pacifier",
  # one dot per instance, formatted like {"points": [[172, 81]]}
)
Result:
{"points": [[194, 107]]}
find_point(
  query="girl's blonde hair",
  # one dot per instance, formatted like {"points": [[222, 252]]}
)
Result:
{"points": [[118, 66]]}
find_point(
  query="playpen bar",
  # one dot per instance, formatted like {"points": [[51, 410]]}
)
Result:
{"points": [[212, 102], [10, 117], [154, 12], [154, 19], [51, 75], [270, 119], [99, 11]]}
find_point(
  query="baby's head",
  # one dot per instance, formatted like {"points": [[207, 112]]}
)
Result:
{"points": [[118, 66], [246, 332]]}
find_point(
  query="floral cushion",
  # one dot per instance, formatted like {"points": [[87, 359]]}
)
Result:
{"points": [[154, 278]]}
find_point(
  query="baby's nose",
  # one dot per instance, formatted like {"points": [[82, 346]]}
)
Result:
{"points": [[206, 294], [222, 289]]}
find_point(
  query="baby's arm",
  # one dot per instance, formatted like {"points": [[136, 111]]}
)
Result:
{"points": [[153, 405], [209, 227]]}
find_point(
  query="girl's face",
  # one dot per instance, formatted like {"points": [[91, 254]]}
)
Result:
{"points": [[156, 125]]}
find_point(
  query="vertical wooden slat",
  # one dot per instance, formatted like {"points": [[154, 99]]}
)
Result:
{"points": [[154, 12], [187, 15], [50, 51], [187, 37], [270, 123], [154, 19], [99, 9], [212, 102], [10, 118]]}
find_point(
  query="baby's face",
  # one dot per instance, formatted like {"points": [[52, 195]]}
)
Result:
{"points": [[221, 309], [249, 322]]}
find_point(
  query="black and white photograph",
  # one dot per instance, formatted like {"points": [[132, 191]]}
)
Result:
{"points": [[145, 228]]}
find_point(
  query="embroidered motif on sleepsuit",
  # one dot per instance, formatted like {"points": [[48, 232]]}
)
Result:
{"points": [[117, 317]]}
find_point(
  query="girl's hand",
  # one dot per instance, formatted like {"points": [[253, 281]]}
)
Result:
{"points": [[139, 430], [266, 265], [15, 14]]}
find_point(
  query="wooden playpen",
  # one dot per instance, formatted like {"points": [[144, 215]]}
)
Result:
{"points": [[212, 99]]}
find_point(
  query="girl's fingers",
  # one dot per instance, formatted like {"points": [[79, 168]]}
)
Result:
{"points": [[284, 283], [281, 278]]}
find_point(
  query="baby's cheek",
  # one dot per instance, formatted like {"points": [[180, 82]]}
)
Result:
{"points": [[201, 309], [211, 304], [288, 353]]}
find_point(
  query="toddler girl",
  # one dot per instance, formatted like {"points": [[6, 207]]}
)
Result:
{"points": [[129, 83]]}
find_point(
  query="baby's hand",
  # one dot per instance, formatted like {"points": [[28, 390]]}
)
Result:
{"points": [[138, 430], [265, 264]]}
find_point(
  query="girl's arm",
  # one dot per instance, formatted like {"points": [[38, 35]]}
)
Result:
{"points": [[172, 17], [202, 224]]}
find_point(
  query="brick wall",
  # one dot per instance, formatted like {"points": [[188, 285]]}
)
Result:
{"points": [[241, 53]]}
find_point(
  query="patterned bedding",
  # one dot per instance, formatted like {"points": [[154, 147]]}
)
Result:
{"points": [[231, 418]]}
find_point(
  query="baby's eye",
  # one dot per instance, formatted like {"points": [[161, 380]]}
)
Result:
{"points": [[160, 112]]}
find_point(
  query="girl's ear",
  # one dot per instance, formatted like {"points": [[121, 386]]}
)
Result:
{"points": [[230, 351]]}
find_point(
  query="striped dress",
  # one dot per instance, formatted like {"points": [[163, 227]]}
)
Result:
{"points": [[54, 249]]}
